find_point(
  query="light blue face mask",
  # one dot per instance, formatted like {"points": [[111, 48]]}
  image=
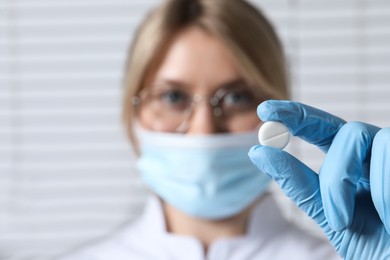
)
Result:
{"points": [[208, 176]]}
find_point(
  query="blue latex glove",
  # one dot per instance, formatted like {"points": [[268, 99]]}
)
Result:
{"points": [[353, 215]]}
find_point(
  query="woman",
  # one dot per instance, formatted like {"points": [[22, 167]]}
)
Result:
{"points": [[196, 72]]}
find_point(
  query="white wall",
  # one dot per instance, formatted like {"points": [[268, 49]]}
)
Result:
{"points": [[66, 170]]}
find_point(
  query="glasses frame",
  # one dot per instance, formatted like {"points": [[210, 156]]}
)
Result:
{"points": [[214, 101]]}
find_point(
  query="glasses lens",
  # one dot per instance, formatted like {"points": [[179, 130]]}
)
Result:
{"points": [[164, 109], [236, 101]]}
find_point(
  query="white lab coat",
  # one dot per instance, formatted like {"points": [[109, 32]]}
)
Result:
{"points": [[269, 236]]}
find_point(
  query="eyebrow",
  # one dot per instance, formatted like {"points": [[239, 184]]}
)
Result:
{"points": [[171, 82], [238, 82], [178, 83]]}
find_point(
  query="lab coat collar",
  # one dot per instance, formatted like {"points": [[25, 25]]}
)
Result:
{"points": [[153, 217], [265, 220]]}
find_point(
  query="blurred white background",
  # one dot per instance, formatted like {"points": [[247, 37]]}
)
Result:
{"points": [[67, 172]]}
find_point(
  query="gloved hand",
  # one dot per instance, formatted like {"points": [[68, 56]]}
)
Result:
{"points": [[350, 197]]}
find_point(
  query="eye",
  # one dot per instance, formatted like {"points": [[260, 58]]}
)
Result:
{"points": [[238, 99], [174, 98]]}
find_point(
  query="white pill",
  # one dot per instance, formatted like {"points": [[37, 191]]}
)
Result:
{"points": [[274, 134]]}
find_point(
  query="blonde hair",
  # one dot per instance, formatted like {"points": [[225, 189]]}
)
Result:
{"points": [[243, 29]]}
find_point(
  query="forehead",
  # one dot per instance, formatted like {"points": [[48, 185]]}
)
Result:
{"points": [[199, 60]]}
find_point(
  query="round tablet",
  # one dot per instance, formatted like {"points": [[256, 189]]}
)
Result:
{"points": [[274, 134]]}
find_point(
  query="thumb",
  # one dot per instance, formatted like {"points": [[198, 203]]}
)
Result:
{"points": [[296, 179]]}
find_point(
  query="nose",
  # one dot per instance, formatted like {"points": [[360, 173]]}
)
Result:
{"points": [[203, 121]]}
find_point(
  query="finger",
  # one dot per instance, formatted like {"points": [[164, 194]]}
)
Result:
{"points": [[311, 124], [297, 180], [380, 175], [345, 166]]}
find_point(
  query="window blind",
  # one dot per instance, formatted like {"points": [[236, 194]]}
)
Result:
{"points": [[66, 170], [67, 173]]}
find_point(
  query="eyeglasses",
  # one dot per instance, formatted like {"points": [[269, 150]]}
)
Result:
{"points": [[170, 108]]}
